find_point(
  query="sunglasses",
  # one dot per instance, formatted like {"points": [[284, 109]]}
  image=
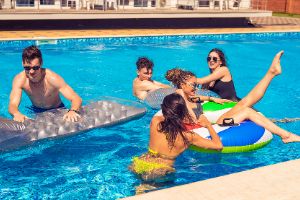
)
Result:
{"points": [[193, 85], [215, 59], [28, 68]]}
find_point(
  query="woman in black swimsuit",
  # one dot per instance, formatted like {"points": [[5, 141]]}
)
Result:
{"points": [[220, 80]]}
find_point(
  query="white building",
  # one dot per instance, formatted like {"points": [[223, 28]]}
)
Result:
{"points": [[124, 4]]}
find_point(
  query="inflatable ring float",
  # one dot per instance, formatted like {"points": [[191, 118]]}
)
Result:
{"points": [[247, 136], [107, 112]]}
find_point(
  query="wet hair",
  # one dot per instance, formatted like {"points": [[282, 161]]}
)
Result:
{"points": [[221, 55], [175, 112], [30, 53], [144, 62], [178, 76]]}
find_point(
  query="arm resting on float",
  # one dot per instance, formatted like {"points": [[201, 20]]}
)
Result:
{"points": [[15, 99], [161, 85], [214, 143]]}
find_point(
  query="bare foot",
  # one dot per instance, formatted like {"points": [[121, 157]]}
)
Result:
{"points": [[141, 189], [275, 68], [291, 138]]}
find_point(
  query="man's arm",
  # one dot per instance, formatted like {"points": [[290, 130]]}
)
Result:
{"points": [[148, 86], [68, 93], [15, 99], [161, 85]]}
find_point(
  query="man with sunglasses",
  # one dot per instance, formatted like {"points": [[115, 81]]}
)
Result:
{"points": [[42, 87], [143, 83]]}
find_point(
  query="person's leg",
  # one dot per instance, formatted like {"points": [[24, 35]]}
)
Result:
{"points": [[249, 113], [242, 110], [259, 90]]}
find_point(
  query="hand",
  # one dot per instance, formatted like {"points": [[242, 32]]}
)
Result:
{"points": [[219, 101], [203, 121], [71, 116], [19, 117]]}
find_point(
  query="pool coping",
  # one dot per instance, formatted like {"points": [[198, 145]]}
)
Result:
{"points": [[278, 181], [71, 34]]}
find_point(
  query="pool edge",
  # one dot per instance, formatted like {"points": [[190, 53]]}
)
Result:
{"points": [[78, 34], [277, 181]]}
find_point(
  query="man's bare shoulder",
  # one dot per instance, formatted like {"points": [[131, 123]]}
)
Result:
{"points": [[53, 78], [21, 75], [135, 81], [20, 79], [50, 74], [139, 83]]}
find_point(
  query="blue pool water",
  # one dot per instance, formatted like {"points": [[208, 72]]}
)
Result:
{"points": [[93, 165]]}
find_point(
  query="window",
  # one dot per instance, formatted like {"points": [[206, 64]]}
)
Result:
{"points": [[203, 3], [47, 2], [140, 3], [124, 2], [25, 3], [153, 3]]}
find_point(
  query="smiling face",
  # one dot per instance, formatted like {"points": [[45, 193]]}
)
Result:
{"points": [[214, 61], [190, 86], [33, 70], [144, 74]]}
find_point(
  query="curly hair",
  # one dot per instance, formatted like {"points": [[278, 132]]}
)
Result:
{"points": [[175, 112], [144, 62], [30, 53], [178, 76]]}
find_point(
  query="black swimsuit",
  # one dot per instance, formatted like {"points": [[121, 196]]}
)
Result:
{"points": [[198, 110], [225, 90]]}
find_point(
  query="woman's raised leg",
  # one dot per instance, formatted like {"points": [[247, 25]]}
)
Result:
{"points": [[249, 113], [242, 110], [259, 90]]}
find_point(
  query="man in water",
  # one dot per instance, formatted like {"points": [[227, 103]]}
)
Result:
{"points": [[143, 83], [42, 87]]}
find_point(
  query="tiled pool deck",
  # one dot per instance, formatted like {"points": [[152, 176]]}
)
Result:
{"points": [[265, 24], [274, 182], [280, 181]]}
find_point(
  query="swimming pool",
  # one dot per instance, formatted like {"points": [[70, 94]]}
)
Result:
{"points": [[94, 164]]}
